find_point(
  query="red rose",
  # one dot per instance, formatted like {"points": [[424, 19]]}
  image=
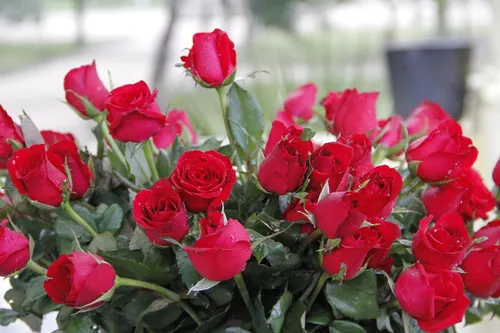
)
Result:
{"points": [[202, 178], [222, 250], [211, 59], [382, 235], [298, 209], [279, 131], [351, 253], [346, 218], [133, 114], [79, 279], [299, 105], [331, 163], [80, 172], [491, 232], [391, 131], [175, 121], [466, 195], [283, 170], [445, 244], [38, 174], [496, 174], [351, 112], [14, 250], [362, 153], [379, 188], [442, 153], [425, 118], [84, 82], [160, 213], [51, 137], [433, 296], [482, 272], [8, 130]]}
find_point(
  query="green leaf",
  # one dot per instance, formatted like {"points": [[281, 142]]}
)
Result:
{"points": [[409, 211], [112, 219], [159, 314], [211, 143], [139, 241], [103, 242], [209, 325], [8, 316], [189, 275], [64, 316], [81, 324], [344, 326], [220, 294], [34, 290], [163, 164], [203, 284], [139, 168], [278, 312], [307, 134], [31, 133], [356, 298], [260, 322], [295, 320], [235, 330], [319, 316], [245, 119]]}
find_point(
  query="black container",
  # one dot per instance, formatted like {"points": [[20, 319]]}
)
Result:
{"points": [[435, 71]]}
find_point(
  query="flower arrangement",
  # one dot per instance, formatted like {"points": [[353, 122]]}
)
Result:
{"points": [[157, 232]]}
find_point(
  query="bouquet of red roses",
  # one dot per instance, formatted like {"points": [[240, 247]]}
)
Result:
{"points": [[368, 229]]}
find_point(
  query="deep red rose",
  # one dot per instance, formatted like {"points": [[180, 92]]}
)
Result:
{"points": [[14, 250], [433, 296], [482, 272], [496, 174], [351, 253], [466, 195], [279, 131], [425, 118], [442, 153], [202, 178], [160, 213], [379, 188], [299, 105], [307, 228], [337, 214], [8, 130], [331, 163], [298, 209], [444, 244], [491, 231], [382, 234], [351, 112], [51, 137], [211, 59], [362, 153], [133, 114], [283, 170], [38, 174], [391, 131], [79, 279], [80, 172], [222, 250], [84, 82], [175, 122]]}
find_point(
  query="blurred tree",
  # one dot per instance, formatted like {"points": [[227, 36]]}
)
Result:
{"points": [[80, 22], [442, 26], [275, 13], [19, 10]]}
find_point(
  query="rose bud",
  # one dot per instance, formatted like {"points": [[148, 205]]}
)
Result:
{"points": [[80, 172], [202, 178], [80, 280], [350, 254], [445, 244], [298, 209], [351, 112], [382, 235], [491, 233], [133, 114], [84, 82], [482, 272], [175, 121], [14, 250], [362, 153], [8, 130], [379, 188], [442, 153], [330, 163], [425, 118], [283, 170], [299, 105], [496, 174], [279, 131], [346, 219], [466, 195], [433, 296], [160, 213], [38, 174], [51, 137], [391, 131], [222, 251], [211, 59]]}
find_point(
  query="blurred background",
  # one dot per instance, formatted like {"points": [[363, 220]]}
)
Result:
{"points": [[447, 51]]}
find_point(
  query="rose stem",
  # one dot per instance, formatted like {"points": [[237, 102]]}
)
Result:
{"points": [[242, 287], [36, 268], [223, 106], [112, 143], [169, 294], [321, 282], [309, 239], [150, 158], [78, 219], [310, 288]]}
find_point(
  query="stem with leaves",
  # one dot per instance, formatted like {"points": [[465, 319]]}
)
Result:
{"points": [[242, 288], [36, 268], [150, 158], [319, 286], [114, 146], [78, 219]]}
